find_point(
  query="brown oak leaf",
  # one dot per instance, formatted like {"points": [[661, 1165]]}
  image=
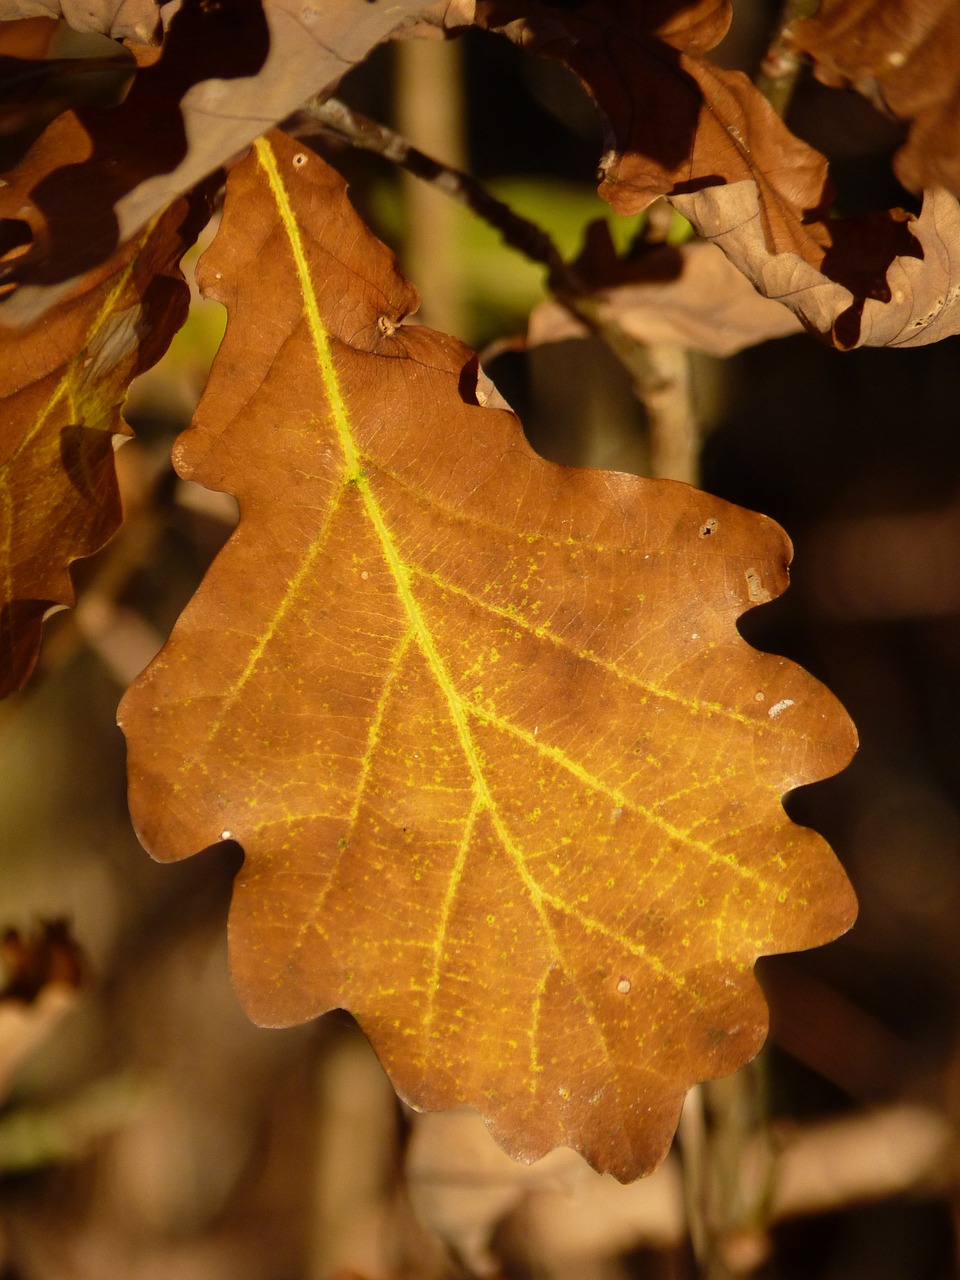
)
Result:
{"points": [[905, 56], [677, 122], [62, 384], [507, 778]]}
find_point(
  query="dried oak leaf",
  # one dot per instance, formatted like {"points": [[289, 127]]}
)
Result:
{"points": [[676, 121], [137, 20], [507, 779], [645, 65], [691, 295], [228, 72], [905, 56], [63, 382], [923, 285]]}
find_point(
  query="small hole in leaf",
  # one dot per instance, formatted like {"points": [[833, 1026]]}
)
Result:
{"points": [[299, 160], [708, 527]]}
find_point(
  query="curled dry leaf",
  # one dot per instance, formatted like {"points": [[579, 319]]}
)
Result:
{"points": [[692, 296], [227, 73], [63, 382], [676, 121], [924, 285], [507, 778], [905, 56], [137, 20], [50, 956], [724, 141]]}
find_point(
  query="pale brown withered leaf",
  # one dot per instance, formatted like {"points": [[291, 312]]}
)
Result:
{"points": [[923, 287], [137, 20], [692, 296]]}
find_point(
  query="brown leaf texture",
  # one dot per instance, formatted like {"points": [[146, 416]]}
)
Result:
{"points": [[905, 56], [63, 383], [677, 121], [923, 286], [507, 779], [137, 20], [692, 295], [227, 73]]}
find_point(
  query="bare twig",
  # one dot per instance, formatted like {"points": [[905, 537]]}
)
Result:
{"points": [[518, 232]]}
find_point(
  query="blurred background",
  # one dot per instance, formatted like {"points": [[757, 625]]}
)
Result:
{"points": [[149, 1130]]}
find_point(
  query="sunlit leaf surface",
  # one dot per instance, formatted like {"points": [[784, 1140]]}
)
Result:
{"points": [[506, 777]]}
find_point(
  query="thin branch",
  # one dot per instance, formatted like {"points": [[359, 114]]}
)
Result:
{"points": [[518, 232]]}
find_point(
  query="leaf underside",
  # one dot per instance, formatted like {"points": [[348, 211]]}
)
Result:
{"points": [[507, 779]]}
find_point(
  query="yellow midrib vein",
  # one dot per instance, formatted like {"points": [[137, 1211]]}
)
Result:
{"points": [[354, 473]]}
